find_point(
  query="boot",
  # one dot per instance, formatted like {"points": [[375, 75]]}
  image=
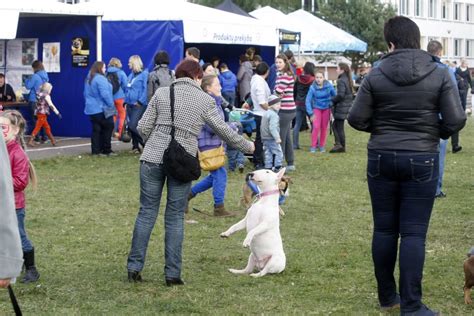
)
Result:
{"points": [[190, 196], [134, 276], [338, 149], [31, 274], [31, 143], [219, 211]]}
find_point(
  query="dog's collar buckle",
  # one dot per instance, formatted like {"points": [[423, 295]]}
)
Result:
{"points": [[276, 191]]}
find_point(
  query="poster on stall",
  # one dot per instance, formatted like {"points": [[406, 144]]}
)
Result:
{"points": [[16, 78], [22, 52], [51, 53], [2, 54], [80, 52]]}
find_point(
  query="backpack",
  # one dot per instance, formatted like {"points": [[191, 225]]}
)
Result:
{"points": [[114, 80], [462, 84], [162, 77]]}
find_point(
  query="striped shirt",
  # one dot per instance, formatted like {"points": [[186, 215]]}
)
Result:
{"points": [[193, 109], [284, 86]]}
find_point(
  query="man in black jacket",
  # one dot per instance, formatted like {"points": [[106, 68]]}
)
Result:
{"points": [[399, 103]]}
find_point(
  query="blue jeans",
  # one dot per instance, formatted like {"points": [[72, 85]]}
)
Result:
{"points": [[152, 180], [236, 158], [134, 114], [300, 117], [229, 96], [273, 154], [25, 241], [217, 180], [402, 188], [443, 144]]}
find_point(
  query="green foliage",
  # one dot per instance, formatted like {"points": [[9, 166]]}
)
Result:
{"points": [[81, 220], [363, 19]]}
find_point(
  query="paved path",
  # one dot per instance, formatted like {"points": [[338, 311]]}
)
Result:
{"points": [[69, 146]]}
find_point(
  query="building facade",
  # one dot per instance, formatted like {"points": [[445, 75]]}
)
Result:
{"points": [[451, 22]]}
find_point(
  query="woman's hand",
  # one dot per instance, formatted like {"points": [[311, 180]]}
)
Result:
{"points": [[252, 147], [4, 283]]}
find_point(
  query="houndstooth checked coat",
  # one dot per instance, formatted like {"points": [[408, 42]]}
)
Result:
{"points": [[193, 108]]}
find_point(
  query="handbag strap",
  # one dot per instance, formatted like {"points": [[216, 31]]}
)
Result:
{"points": [[16, 307], [172, 110]]}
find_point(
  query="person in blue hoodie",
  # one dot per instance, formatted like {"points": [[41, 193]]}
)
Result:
{"points": [[33, 84], [318, 107], [115, 73], [228, 82], [100, 109], [136, 99]]}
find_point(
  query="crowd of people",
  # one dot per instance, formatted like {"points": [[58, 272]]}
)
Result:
{"points": [[200, 105]]}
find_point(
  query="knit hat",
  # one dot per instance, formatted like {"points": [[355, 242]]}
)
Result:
{"points": [[234, 116], [273, 99]]}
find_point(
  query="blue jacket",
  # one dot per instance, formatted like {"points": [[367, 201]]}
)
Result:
{"points": [[120, 94], [319, 97], [137, 88], [98, 95], [228, 81], [34, 83]]}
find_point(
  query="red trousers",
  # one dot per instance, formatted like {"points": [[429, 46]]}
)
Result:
{"points": [[120, 115], [42, 122]]}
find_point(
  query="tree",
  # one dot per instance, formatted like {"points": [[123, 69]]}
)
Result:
{"points": [[362, 18]]}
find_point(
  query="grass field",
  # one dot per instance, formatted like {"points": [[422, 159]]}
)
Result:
{"points": [[82, 215]]}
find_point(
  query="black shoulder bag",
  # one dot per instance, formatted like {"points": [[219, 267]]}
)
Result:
{"points": [[16, 307], [177, 162]]}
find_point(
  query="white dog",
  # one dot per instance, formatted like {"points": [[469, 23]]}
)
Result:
{"points": [[263, 227]]}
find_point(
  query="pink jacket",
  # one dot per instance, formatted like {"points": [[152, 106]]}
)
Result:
{"points": [[20, 172]]}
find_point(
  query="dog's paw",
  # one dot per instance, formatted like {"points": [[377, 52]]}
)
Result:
{"points": [[256, 275], [224, 235], [247, 242]]}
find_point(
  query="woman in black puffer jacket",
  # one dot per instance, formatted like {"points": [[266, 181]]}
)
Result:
{"points": [[407, 104], [342, 103]]}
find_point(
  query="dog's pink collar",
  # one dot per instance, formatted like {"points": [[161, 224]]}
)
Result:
{"points": [[269, 193]]}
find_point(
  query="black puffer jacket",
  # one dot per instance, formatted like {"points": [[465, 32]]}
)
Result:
{"points": [[400, 103], [342, 102]]}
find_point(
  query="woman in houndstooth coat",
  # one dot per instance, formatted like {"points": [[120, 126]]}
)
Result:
{"points": [[193, 109]]}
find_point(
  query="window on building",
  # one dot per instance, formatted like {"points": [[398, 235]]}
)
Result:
{"points": [[470, 48], [469, 9], [457, 47], [457, 11], [444, 10], [444, 42], [403, 7], [432, 8], [418, 7]]}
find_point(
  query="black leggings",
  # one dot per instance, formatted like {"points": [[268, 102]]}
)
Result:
{"points": [[338, 129]]}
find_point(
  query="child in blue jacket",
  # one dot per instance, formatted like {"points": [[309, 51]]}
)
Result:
{"points": [[318, 107]]}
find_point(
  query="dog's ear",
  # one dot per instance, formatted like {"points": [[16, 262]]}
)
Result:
{"points": [[281, 173]]}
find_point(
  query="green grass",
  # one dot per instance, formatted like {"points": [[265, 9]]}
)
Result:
{"points": [[82, 215]]}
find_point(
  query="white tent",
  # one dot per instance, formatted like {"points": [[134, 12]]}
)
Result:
{"points": [[10, 11], [316, 35], [325, 36], [201, 24]]}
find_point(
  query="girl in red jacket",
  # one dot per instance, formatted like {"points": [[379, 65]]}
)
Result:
{"points": [[13, 126]]}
